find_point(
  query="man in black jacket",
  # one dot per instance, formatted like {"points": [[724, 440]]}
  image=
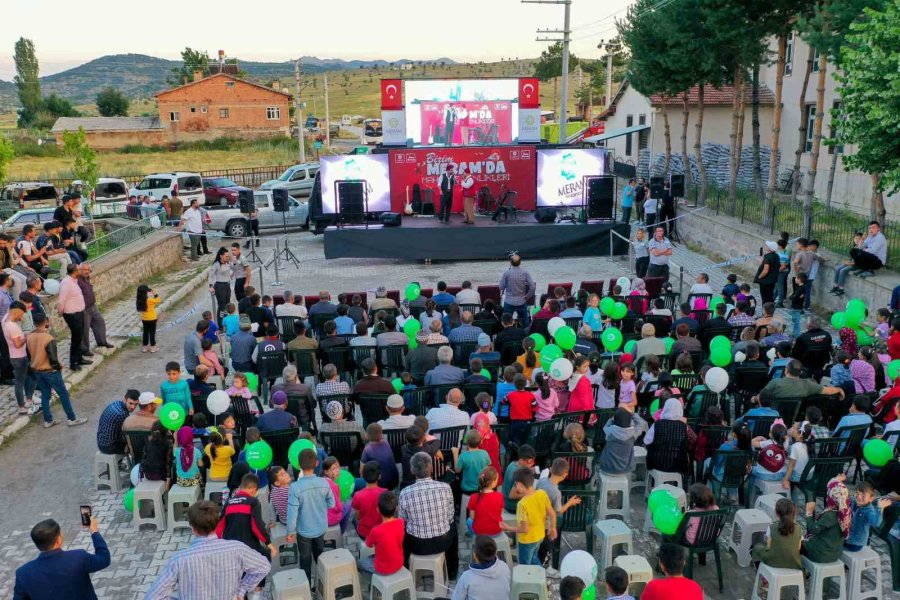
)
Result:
{"points": [[448, 181], [511, 336], [242, 521]]}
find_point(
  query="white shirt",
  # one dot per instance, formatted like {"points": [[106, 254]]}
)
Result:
{"points": [[468, 296], [701, 288], [193, 220], [800, 455], [650, 206], [290, 310], [25, 248]]}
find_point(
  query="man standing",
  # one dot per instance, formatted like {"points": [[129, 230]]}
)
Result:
{"points": [[176, 207], [517, 288], [60, 574], [241, 271], [70, 304], [627, 201], [93, 320], [192, 221], [14, 346], [640, 193], [48, 372], [109, 428], [211, 568], [660, 249], [448, 182]]}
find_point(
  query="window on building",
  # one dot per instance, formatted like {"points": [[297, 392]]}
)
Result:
{"points": [[789, 55], [229, 84], [629, 121], [833, 129], [223, 113], [810, 125], [203, 109], [273, 113], [815, 68], [193, 109], [173, 116], [643, 136]]}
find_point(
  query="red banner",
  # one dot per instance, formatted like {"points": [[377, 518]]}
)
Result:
{"points": [[391, 94], [529, 93], [466, 122], [512, 168]]}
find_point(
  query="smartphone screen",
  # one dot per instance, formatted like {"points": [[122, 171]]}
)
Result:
{"points": [[85, 515]]}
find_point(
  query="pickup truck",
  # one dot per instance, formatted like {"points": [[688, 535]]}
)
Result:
{"points": [[233, 223]]}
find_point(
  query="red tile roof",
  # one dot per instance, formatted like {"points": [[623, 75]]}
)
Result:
{"points": [[715, 96]]}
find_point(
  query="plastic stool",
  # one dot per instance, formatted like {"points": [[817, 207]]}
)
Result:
{"points": [[676, 492], [106, 471], [640, 459], [463, 528], [215, 491], [509, 518], [529, 582], [421, 565], [614, 483], [766, 503], [337, 569], [389, 586], [152, 492], [819, 572], [611, 533], [288, 553], [858, 563], [334, 537], [504, 549], [364, 550], [767, 487], [778, 580], [180, 498], [291, 584], [639, 572], [655, 478], [749, 528]]}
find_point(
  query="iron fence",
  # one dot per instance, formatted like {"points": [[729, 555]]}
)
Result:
{"points": [[111, 241]]}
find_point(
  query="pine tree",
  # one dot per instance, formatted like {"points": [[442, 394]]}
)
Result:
{"points": [[27, 81]]}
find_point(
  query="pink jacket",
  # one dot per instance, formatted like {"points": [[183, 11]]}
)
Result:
{"points": [[582, 397], [70, 299], [337, 511]]}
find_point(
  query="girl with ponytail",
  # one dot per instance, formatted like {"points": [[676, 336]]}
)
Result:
{"points": [[486, 507]]}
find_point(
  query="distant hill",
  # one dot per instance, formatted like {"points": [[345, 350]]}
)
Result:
{"points": [[140, 76]]}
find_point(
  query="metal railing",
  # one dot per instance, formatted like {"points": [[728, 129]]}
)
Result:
{"points": [[111, 241]]}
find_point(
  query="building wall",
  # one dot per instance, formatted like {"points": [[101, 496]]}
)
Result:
{"points": [[113, 140], [631, 103]]}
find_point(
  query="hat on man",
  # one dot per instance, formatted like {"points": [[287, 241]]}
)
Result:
{"points": [[245, 323], [334, 410], [381, 292], [395, 401], [484, 340], [422, 336], [772, 246], [279, 398], [148, 398]]}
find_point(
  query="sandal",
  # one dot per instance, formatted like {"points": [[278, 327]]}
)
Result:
{"points": [[154, 349]]}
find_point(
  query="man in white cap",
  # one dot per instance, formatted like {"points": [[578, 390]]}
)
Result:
{"points": [[767, 273], [145, 416], [422, 358], [339, 423], [381, 301], [396, 419]]}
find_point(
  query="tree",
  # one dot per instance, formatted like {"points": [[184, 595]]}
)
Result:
{"points": [[84, 162], [7, 153], [112, 103], [57, 106], [549, 66], [192, 60], [27, 81], [870, 100]]}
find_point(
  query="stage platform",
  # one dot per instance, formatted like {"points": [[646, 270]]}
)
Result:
{"points": [[425, 238]]}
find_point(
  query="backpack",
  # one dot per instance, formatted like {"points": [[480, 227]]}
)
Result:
{"points": [[772, 457]]}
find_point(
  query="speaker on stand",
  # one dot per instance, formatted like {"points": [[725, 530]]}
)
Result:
{"points": [[600, 193], [247, 206], [352, 202], [656, 187], [281, 202]]}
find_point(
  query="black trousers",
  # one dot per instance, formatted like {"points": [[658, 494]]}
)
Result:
{"points": [[203, 244], [223, 296], [446, 204], [658, 271], [865, 260], [446, 543], [767, 292], [239, 288], [75, 322], [148, 333]]}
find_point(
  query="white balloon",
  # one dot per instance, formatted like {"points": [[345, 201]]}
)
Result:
{"points": [[580, 564], [136, 475], [739, 357], [771, 353], [625, 284], [561, 369], [51, 286], [217, 402], [717, 379], [554, 324]]}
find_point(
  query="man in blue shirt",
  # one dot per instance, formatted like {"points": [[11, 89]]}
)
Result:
{"points": [[442, 298], [627, 201], [59, 574], [109, 427], [766, 399], [466, 332], [242, 346], [278, 418]]}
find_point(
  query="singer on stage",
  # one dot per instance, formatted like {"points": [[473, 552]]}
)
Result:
{"points": [[448, 181]]}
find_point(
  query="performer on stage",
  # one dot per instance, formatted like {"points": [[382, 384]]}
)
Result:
{"points": [[468, 191], [449, 124], [448, 182]]}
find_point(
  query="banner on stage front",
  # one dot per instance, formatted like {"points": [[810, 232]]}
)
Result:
{"points": [[393, 126], [508, 168], [372, 168], [530, 125], [561, 172]]}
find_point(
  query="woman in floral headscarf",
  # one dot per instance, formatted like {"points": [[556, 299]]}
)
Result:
{"points": [[826, 533], [848, 341], [639, 288]]}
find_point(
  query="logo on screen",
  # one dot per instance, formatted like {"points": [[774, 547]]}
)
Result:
{"points": [[529, 120], [568, 166], [352, 169], [393, 122]]}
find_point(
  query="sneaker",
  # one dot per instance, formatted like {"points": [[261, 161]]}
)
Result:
{"points": [[144, 349], [840, 292], [49, 424], [35, 409], [24, 410], [76, 421], [551, 572]]}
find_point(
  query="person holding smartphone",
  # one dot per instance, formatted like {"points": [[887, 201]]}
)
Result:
{"points": [[61, 574]]}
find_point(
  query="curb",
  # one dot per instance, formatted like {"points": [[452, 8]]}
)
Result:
{"points": [[73, 378]]}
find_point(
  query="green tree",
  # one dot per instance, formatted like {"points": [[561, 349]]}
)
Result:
{"points": [[84, 162], [57, 106], [7, 154], [112, 103], [191, 60], [870, 99], [27, 81]]}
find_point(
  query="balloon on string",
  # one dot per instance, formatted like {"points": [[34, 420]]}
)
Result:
{"points": [[171, 415], [669, 343], [296, 448], [565, 337], [863, 338], [739, 357], [619, 311], [838, 320], [893, 369], [539, 341], [580, 564], [51, 286], [397, 383], [485, 373], [217, 402], [612, 339], [411, 327], [771, 354], [654, 406], [561, 369], [855, 312], [606, 305], [658, 498], [555, 324], [258, 455], [412, 343], [128, 500], [629, 347], [877, 453], [716, 300], [667, 518], [412, 291], [716, 379], [345, 483], [589, 593], [252, 381], [135, 475], [550, 353], [720, 342], [720, 358]]}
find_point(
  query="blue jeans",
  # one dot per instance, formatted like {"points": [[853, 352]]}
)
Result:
{"points": [[366, 563], [521, 311], [841, 273], [796, 313], [52, 380], [528, 554], [626, 214], [781, 287]]}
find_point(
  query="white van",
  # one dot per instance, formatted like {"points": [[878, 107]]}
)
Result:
{"points": [[110, 195], [189, 186]]}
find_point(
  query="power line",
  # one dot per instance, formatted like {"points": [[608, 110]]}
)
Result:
{"points": [[592, 24]]}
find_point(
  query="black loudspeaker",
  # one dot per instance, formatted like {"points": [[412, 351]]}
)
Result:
{"points": [[350, 202], [391, 219], [545, 215], [656, 187], [280, 202], [245, 201], [601, 198], [676, 185]]}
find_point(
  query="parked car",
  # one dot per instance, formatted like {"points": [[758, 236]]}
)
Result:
{"points": [[29, 194], [221, 191], [110, 196], [235, 224], [189, 186], [297, 180], [34, 216]]}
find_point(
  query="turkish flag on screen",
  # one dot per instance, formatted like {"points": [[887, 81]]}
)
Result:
{"points": [[529, 93], [391, 94]]}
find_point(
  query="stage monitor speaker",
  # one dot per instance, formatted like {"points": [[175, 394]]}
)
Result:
{"points": [[601, 198], [545, 214], [280, 202], [350, 201], [245, 201], [676, 185], [391, 219], [656, 187]]}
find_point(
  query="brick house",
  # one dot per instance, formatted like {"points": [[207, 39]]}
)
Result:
{"points": [[223, 105], [110, 133]]}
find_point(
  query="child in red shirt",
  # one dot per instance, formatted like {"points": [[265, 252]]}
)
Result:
{"points": [[365, 501], [521, 410], [486, 507], [674, 584], [386, 538]]}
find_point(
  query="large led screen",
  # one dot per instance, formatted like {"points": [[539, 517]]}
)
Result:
{"points": [[560, 174], [372, 168]]}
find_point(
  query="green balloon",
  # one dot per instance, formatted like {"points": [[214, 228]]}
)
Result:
{"points": [[534, 310], [667, 518], [252, 382], [296, 448], [397, 383], [413, 344], [606, 306], [539, 341], [855, 312], [893, 368], [658, 497], [838, 320], [619, 311], [669, 343], [720, 342], [611, 338], [128, 500], [716, 300], [654, 406], [258, 455], [345, 483], [411, 327], [630, 346], [877, 453], [863, 338], [171, 415], [589, 593], [486, 373], [551, 352], [565, 337], [720, 357], [412, 291]]}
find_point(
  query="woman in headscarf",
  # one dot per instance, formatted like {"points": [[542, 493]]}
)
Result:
{"points": [[621, 431], [672, 410], [187, 458], [490, 443], [825, 534], [862, 371], [848, 341], [638, 288]]}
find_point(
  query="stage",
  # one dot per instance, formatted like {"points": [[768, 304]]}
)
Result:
{"points": [[425, 238]]}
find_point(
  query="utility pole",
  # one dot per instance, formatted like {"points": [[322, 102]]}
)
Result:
{"points": [[298, 111], [327, 116], [611, 47], [565, 32]]}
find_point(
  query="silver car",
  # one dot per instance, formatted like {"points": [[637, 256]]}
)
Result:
{"points": [[233, 223], [297, 180]]}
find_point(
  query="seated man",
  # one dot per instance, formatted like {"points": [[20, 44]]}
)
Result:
{"points": [[198, 384], [684, 316], [864, 260]]}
